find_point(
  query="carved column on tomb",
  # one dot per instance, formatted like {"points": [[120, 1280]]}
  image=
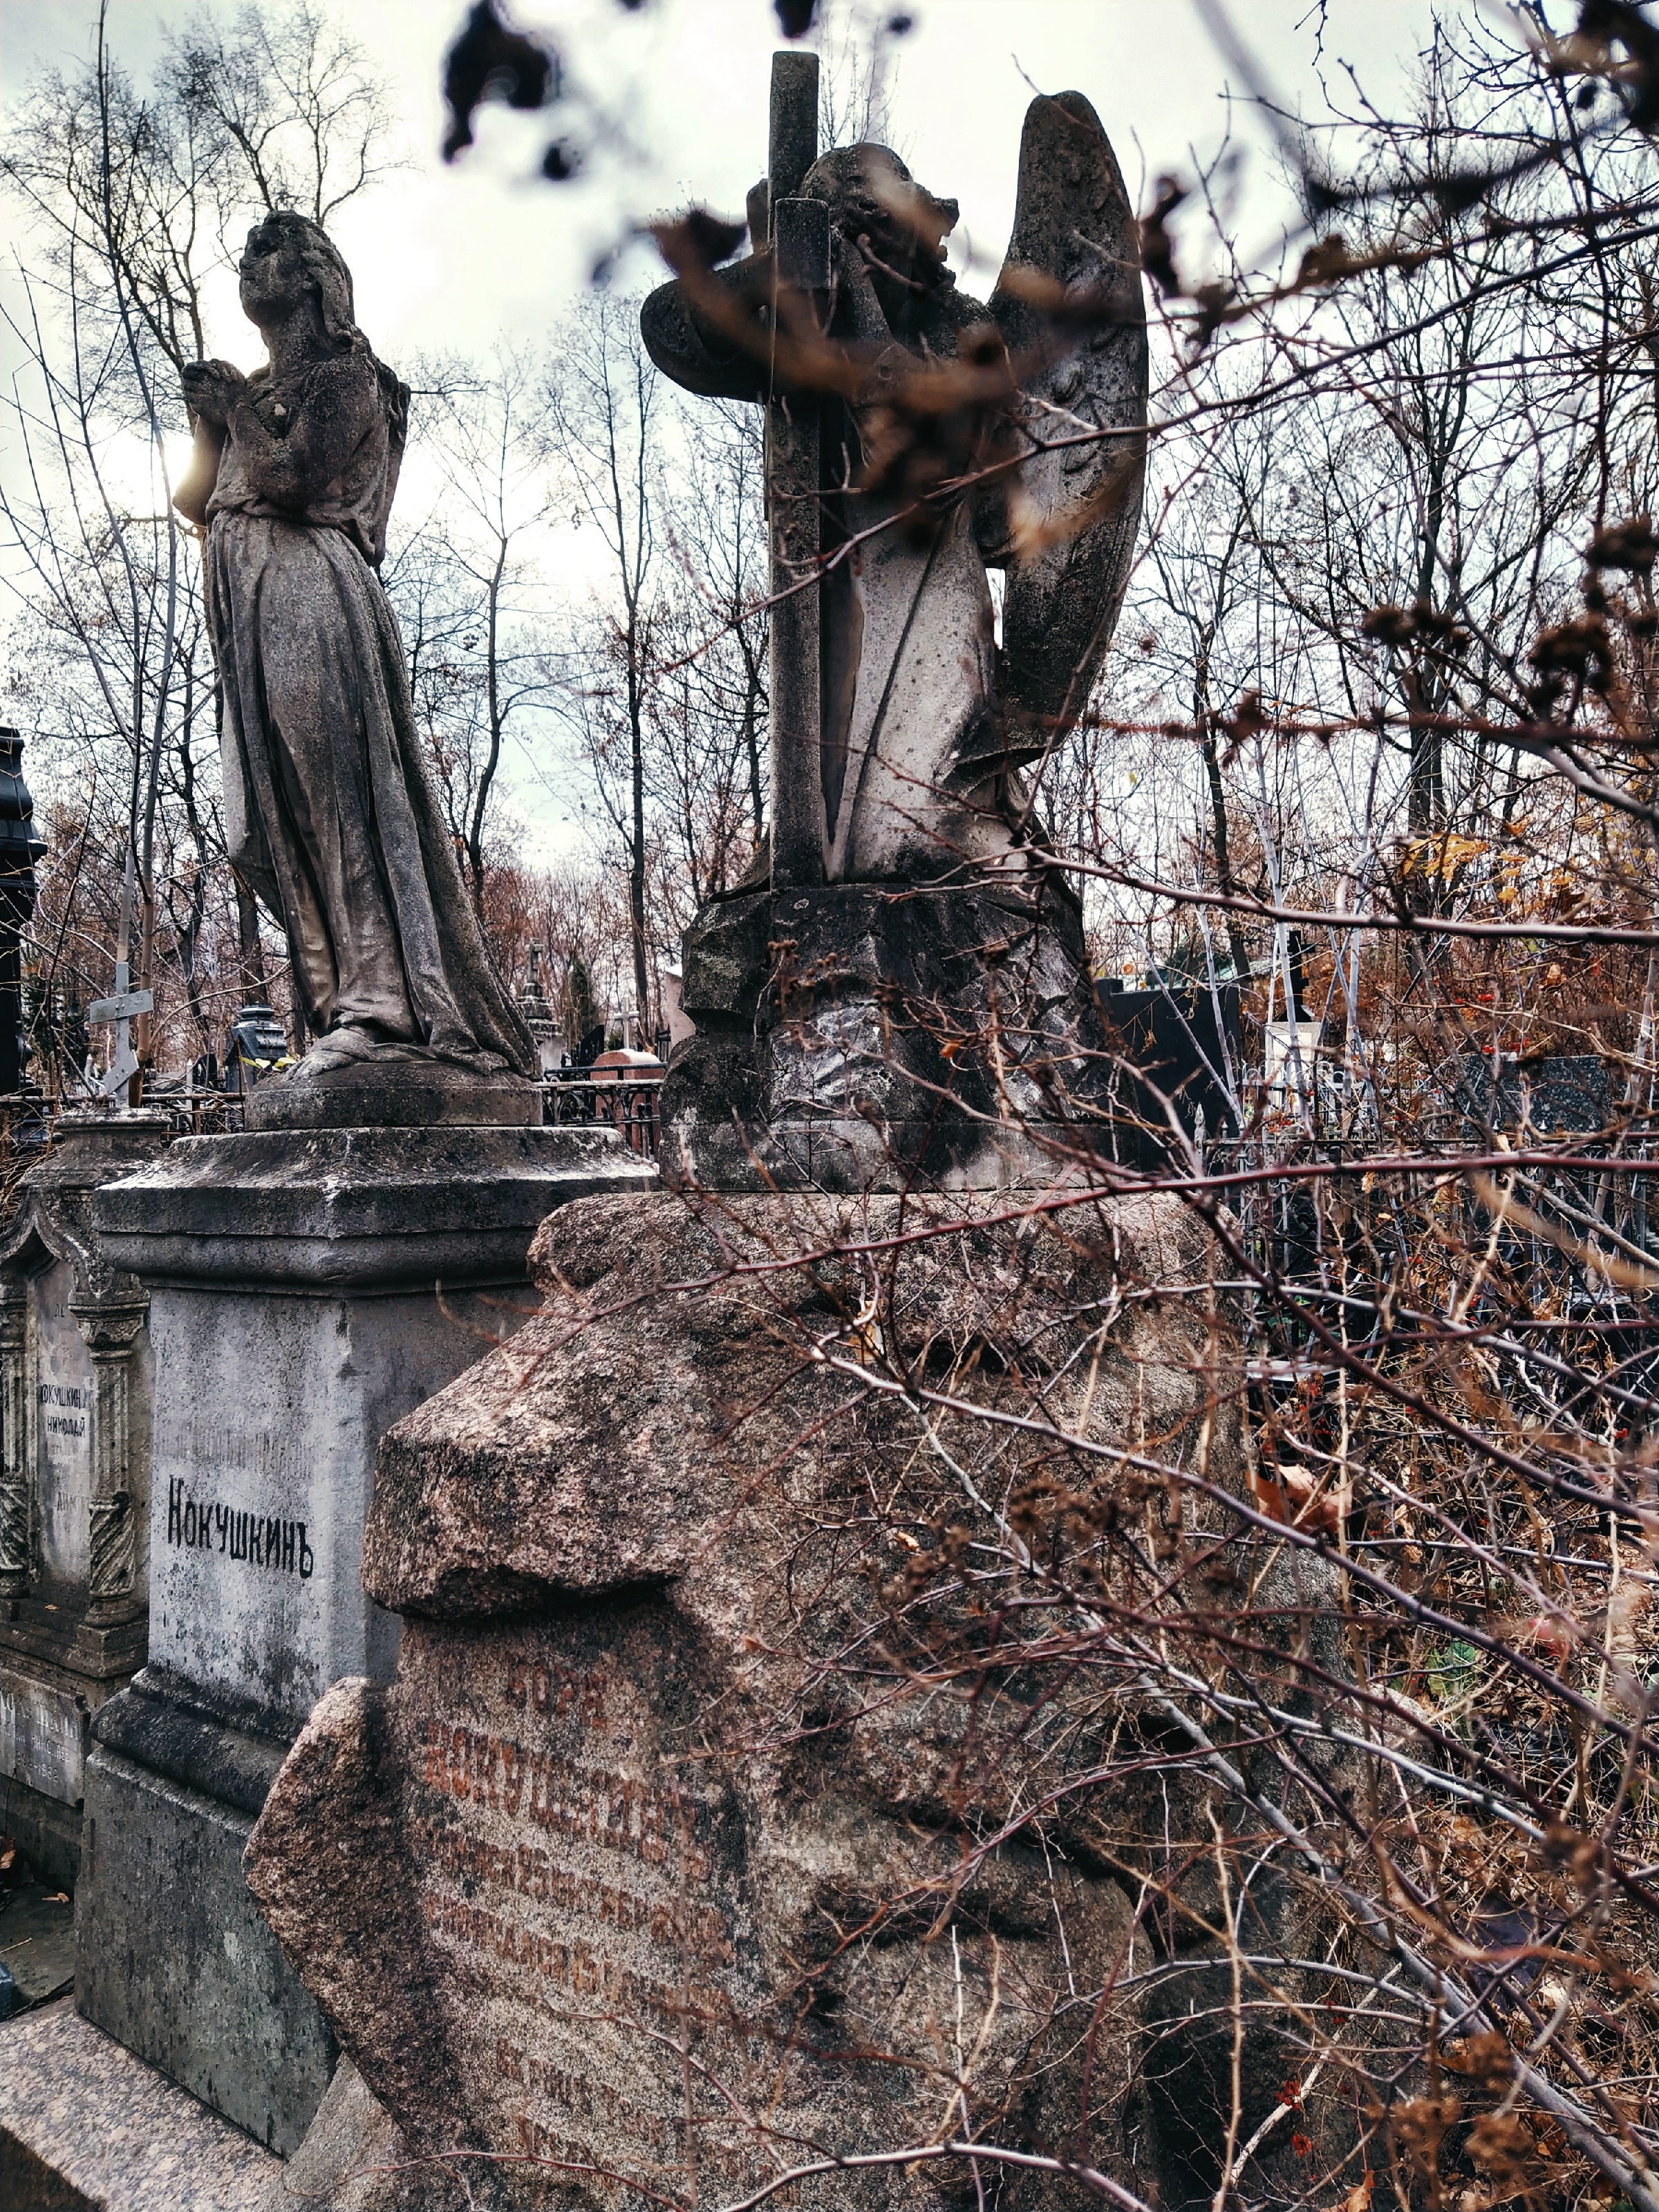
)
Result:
{"points": [[17, 1442], [111, 1331]]}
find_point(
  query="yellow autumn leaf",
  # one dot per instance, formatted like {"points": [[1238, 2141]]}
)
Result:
{"points": [[1442, 856]]}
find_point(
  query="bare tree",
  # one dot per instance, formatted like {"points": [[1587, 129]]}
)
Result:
{"points": [[709, 704], [288, 101], [603, 423], [480, 654]]}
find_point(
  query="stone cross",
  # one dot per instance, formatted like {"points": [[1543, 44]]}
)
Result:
{"points": [[916, 440], [797, 231], [124, 1004]]}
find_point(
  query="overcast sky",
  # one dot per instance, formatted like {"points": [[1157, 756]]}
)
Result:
{"points": [[446, 256], [671, 101]]}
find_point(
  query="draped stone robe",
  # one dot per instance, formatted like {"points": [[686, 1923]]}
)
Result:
{"points": [[330, 810]]}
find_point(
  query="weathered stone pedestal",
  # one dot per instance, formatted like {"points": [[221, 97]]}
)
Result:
{"points": [[689, 1842], [307, 1289], [75, 1417], [870, 1036]]}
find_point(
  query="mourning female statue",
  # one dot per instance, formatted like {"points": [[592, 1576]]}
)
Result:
{"points": [[330, 811]]}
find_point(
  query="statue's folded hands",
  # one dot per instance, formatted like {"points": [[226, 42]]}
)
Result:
{"points": [[293, 438], [212, 388]]}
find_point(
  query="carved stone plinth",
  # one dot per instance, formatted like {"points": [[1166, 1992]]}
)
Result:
{"points": [[867, 1037], [307, 1289], [75, 1442]]}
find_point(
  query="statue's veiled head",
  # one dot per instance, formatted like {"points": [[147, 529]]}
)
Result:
{"points": [[289, 261], [287, 258], [900, 226]]}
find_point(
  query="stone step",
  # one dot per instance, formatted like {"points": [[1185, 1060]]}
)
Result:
{"points": [[83, 2124]]}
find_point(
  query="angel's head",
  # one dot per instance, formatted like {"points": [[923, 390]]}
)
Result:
{"points": [[899, 227]]}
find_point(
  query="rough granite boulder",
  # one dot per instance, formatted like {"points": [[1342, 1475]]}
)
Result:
{"points": [[724, 1817]]}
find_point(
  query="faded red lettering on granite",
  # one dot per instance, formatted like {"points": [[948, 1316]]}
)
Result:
{"points": [[584, 1804]]}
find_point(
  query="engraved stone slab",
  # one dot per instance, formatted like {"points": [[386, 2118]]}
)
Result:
{"points": [[575, 1884], [43, 1732], [267, 1420], [63, 1392], [589, 1945], [670, 1859]]}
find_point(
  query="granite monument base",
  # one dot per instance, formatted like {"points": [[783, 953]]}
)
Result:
{"points": [[307, 1290], [688, 1845], [885, 1036], [85, 2127], [392, 1091], [173, 1960]]}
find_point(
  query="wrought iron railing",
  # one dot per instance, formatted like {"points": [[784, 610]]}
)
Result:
{"points": [[629, 1099]]}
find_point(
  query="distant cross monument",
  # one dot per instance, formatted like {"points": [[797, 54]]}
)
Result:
{"points": [[122, 1004]]}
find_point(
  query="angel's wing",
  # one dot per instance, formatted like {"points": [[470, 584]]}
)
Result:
{"points": [[1071, 310]]}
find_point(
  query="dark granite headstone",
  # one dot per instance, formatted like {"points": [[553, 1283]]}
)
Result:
{"points": [[1177, 1045]]}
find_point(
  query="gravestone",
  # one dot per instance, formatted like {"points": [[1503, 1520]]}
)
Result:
{"points": [[318, 1275], [1177, 1051], [76, 1375], [648, 1875], [622, 1887], [539, 1018], [307, 1289]]}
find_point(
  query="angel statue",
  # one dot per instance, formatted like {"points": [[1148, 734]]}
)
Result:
{"points": [[330, 811], [899, 985], [918, 439]]}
